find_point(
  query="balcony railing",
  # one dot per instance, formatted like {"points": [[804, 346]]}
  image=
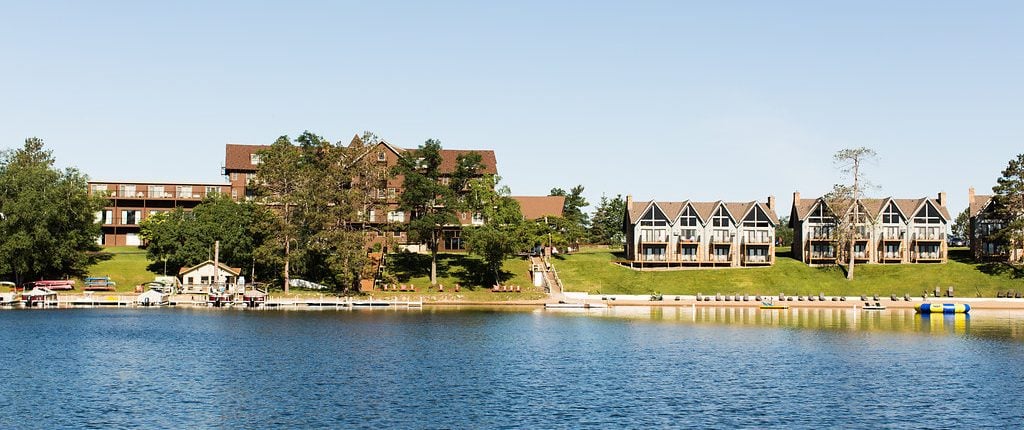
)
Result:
{"points": [[160, 195], [892, 237], [758, 259], [721, 258], [692, 239], [929, 237], [654, 239], [686, 258], [916, 256], [819, 235], [722, 239]]}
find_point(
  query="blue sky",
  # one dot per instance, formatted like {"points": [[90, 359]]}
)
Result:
{"points": [[666, 100]]}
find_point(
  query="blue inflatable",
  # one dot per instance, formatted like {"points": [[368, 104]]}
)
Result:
{"points": [[943, 308]]}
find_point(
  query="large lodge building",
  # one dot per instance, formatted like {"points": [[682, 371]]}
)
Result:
{"points": [[132, 202]]}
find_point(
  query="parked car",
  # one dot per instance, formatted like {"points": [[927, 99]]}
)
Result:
{"points": [[955, 241]]}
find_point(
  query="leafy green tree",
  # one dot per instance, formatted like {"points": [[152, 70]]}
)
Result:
{"points": [[432, 204], [1009, 203], [281, 179], [962, 224], [503, 232], [572, 211], [783, 232], [182, 238], [49, 225], [606, 226], [316, 193]]}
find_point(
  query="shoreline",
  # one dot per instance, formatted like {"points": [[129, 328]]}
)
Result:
{"points": [[70, 301]]}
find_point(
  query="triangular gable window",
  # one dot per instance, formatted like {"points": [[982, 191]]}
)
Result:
{"points": [[654, 217], [891, 214], [928, 215], [689, 217], [756, 218], [721, 217], [820, 215]]}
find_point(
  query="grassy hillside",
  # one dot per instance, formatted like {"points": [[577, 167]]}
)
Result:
{"points": [[465, 270], [593, 271], [127, 267]]}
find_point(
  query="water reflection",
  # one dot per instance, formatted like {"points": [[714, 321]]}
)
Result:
{"points": [[979, 323]]}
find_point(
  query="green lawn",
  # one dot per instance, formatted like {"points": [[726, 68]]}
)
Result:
{"points": [[593, 271], [466, 270], [127, 268]]}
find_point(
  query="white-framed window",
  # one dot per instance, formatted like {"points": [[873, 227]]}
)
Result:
{"points": [[478, 219], [756, 218], [720, 218], [396, 216], [689, 217], [234, 176], [99, 188], [820, 216], [125, 190], [928, 215], [130, 217], [210, 190], [184, 191], [381, 156], [255, 159], [891, 214]]}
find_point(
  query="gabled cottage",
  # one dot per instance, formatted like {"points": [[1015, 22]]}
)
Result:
{"points": [[985, 221], [699, 234], [204, 275]]}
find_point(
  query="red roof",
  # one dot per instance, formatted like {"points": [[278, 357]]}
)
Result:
{"points": [[537, 207], [238, 158]]}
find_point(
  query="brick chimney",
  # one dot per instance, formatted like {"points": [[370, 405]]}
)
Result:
{"points": [[796, 197], [942, 198], [970, 196], [629, 202], [771, 203]]}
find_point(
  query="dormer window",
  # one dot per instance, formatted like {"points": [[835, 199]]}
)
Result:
{"points": [[255, 159]]}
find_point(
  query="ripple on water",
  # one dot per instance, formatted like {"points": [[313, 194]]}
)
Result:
{"points": [[468, 369]]}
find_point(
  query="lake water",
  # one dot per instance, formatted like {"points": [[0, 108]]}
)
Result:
{"points": [[509, 368]]}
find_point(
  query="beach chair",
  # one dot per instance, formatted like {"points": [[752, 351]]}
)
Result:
{"points": [[518, 289], [456, 288], [412, 288], [892, 297], [440, 288]]}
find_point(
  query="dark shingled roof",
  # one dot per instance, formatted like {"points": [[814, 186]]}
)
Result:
{"points": [[537, 207], [704, 210], [909, 207]]}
